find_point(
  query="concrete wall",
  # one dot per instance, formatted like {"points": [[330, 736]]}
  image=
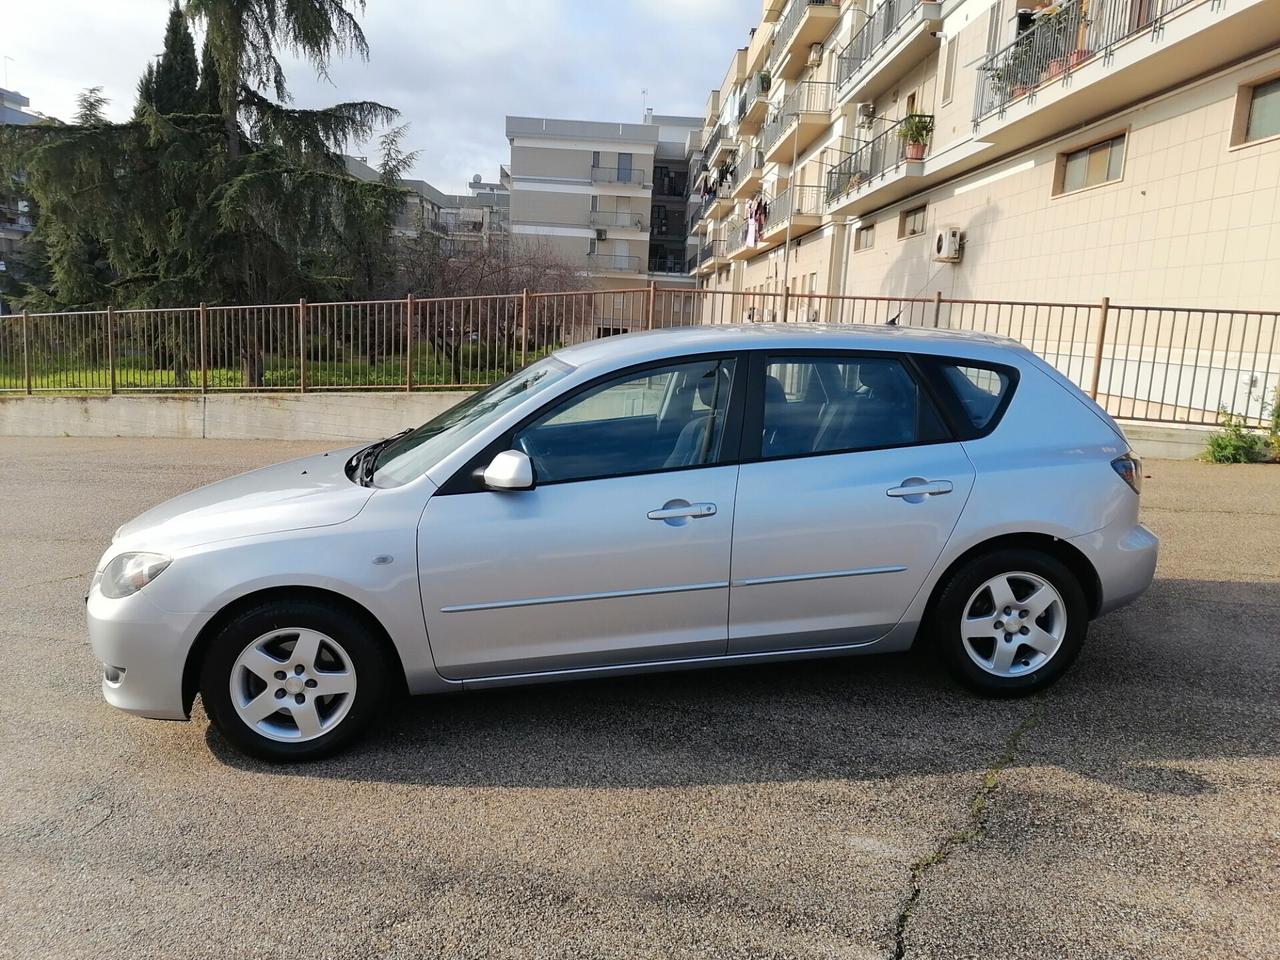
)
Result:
{"points": [[335, 416], [310, 416]]}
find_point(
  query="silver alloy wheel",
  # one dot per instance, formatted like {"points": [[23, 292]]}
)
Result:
{"points": [[1014, 624], [293, 684]]}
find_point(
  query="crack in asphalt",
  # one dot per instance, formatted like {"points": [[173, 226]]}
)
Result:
{"points": [[974, 828]]}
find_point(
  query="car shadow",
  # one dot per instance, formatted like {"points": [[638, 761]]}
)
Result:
{"points": [[1186, 673]]}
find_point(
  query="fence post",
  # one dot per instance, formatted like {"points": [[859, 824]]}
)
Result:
{"points": [[111, 346], [524, 326], [937, 308], [302, 345], [1097, 348], [204, 348], [653, 289], [26, 352], [786, 301], [408, 343]]}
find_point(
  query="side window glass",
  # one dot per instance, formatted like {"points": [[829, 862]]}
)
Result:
{"points": [[662, 419], [841, 403]]}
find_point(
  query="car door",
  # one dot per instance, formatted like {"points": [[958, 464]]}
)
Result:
{"points": [[620, 551], [849, 488]]}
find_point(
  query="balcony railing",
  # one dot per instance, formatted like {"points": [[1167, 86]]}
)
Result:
{"points": [[710, 249], [750, 162], [797, 201], [617, 262], [874, 33], [618, 175], [617, 218], [874, 158], [672, 185], [788, 25], [811, 96], [666, 265], [1057, 43]]}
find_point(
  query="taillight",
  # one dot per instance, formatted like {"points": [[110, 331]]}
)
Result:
{"points": [[1129, 468]]}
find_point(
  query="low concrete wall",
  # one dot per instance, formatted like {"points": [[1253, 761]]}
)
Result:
{"points": [[295, 416], [336, 416]]}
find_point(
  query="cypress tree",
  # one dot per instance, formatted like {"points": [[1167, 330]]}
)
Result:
{"points": [[209, 93], [176, 76], [146, 91]]}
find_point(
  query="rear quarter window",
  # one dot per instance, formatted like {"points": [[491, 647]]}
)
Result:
{"points": [[977, 392]]}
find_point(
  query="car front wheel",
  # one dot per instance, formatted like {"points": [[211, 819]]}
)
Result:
{"points": [[1011, 622], [293, 680]]}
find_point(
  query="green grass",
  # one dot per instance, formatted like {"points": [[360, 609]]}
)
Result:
{"points": [[431, 368]]}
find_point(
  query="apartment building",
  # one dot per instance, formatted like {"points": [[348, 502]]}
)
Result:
{"points": [[610, 197], [1012, 149], [15, 214], [463, 223]]}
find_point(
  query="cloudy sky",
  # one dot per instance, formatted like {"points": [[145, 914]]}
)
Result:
{"points": [[454, 68]]}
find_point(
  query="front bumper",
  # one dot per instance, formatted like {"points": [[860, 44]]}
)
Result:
{"points": [[1124, 555], [143, 650]]}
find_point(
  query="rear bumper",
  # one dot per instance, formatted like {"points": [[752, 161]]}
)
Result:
{"points": [[143, 651], [1124, 555]]}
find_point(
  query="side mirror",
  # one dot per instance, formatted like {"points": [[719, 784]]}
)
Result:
{"points": [[509, 470]]}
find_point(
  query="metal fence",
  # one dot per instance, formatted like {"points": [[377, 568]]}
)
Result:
{"points": [[1161, 364]]}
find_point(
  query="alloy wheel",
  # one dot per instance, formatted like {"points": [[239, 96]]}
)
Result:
{"points": [[293, 684], [1013, 624]]}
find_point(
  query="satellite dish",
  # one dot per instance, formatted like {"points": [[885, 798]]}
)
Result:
{"points": [[476, 178]]}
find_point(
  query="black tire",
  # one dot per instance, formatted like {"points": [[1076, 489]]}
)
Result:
{"points": [[948, 612], [366, 653]]}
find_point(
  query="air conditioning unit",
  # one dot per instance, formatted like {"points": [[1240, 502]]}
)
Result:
{"points": [[815, 55], [948, 245], [866, 114], [602, 234]]}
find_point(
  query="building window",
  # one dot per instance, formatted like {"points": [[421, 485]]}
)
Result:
{"points": [[911, 222], [1089, 166], [1260, 105], [865, 237], [949, 73], [595, 158]]}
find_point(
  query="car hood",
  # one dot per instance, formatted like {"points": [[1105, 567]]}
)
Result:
{"points": [[312, 491]]}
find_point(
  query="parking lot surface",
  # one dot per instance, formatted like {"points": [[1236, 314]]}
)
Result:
{"points": [[848, 808]]}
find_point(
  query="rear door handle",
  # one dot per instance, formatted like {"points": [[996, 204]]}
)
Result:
{"points": [[677, 512], [915, 489]]}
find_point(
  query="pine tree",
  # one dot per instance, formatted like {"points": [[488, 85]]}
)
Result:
{"points": [[176, 76]]}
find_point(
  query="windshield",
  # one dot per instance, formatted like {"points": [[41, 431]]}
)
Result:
{"points": [[419, 450]]}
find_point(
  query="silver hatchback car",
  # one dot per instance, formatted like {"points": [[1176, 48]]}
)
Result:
{"points": [[685, 498]]}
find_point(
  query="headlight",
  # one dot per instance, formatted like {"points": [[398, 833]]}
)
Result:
{"points": [[130, 572]]}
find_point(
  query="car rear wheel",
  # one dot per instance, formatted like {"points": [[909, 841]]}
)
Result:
{"points": [[293, 680], [1010, 622]]}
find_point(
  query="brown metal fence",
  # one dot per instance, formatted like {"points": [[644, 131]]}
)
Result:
{"points": [[1163, 364]]}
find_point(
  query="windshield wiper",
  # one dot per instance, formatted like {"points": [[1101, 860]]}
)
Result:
{"points": [[364, 460]]}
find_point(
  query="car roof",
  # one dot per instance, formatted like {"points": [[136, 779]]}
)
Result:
{"points": [[625, 349]]}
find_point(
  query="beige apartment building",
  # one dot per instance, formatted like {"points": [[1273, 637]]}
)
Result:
{"points": [[608, 197], [997, 150]]}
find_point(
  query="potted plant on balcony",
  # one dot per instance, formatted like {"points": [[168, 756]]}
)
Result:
{"points": [[765, 81], [915, 131]]}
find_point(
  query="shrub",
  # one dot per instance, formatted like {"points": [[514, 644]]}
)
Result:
{"points": [[1235, 443]]}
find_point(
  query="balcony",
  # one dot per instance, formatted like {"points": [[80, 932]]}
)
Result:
{"points": [[747, 174], [1081, 61], [754, 107], [804, 114], [710, 258], [719, 146], [895, 37], [624, 175], [880, 170], [666, 265], [618, 219], [670, 185], [612, 263], [806, 22], [799, 208]]}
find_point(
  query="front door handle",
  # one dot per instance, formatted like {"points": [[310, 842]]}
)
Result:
{"points": [[915, 489], [679, 512]]}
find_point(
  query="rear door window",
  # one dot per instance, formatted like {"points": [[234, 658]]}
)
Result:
{"points": [[981, 391]]}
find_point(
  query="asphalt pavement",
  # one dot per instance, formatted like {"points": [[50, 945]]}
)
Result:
{"points": [[848, 808]]}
